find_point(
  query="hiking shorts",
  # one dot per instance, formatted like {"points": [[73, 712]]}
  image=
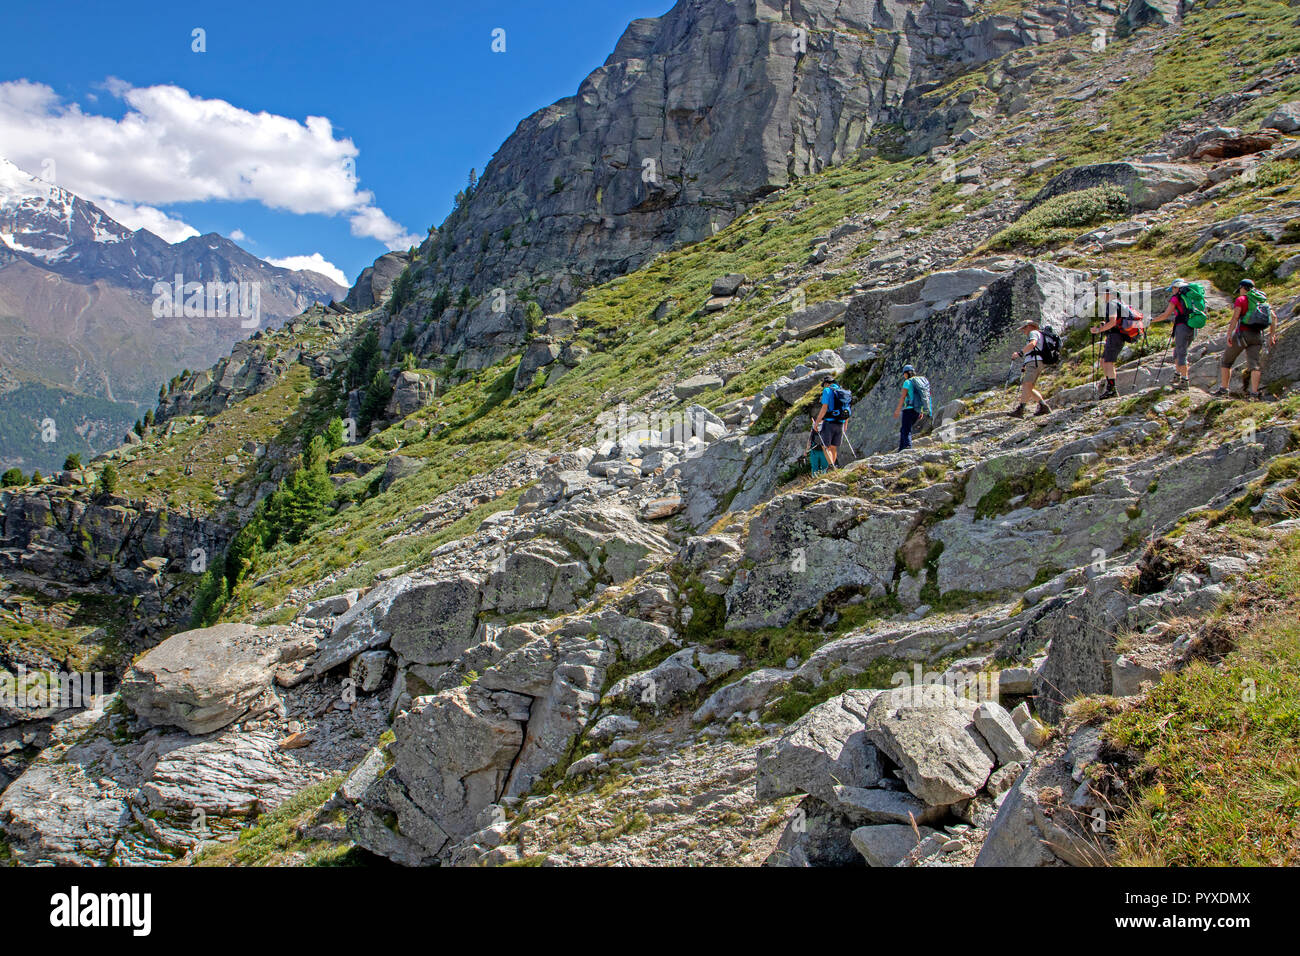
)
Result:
{"points": [[1183, 336], [1247, 340], [1114, 344], [1029, 374], [832, 433]]}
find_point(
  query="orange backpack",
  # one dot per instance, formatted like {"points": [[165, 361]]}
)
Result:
{"points": [[1131, 321]]}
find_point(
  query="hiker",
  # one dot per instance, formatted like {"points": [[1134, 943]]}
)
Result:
{"points": [[1181, 313], [1031, 366], [1123, 327], [1251, 316], [817, 460], [913, 402], [829, 421]]}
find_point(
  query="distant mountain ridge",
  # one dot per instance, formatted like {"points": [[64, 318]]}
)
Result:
{"points": [[77, 313]]}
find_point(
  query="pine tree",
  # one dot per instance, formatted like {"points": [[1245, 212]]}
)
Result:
{"points": [[12, 478], [335, 434], [72, 462], [378, 392], [361, 364], [108, 480], [210, 597]]}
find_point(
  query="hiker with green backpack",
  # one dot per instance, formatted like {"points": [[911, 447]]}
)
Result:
{"points": [[1252, 316], [1187, 312], [913, 404]]}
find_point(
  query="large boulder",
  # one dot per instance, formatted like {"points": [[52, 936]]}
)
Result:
{"points": [[540, 574], [887, 844], [427, 620], [748, 693], [1007, 552], [557, 678], [1285, 118], [804, 549], [930, 733], [411, 392], [825, 748], [374, 285], [1147, 185], [204, 679]]}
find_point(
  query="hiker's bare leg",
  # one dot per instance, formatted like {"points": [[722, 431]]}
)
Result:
{"points": [[1108, 369], [832, 452], [1254, 379], [1225, 376]]}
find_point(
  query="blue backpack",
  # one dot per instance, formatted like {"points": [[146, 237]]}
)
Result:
{"points": [[921, 395], [841, 408]]}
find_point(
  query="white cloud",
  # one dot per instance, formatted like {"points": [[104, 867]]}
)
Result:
{"points": [[237, 235], [315, 263], [171, 147], [372, 223]]}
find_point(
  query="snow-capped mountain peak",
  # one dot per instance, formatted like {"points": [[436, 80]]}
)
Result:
{"points": [[47, 222]]}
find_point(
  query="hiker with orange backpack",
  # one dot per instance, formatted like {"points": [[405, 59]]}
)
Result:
{"points": [[1252, 316], [1125, 325], [1187, 312]]}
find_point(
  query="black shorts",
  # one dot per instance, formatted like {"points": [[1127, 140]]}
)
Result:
{"points": [[1115, 342], [832, 433]]}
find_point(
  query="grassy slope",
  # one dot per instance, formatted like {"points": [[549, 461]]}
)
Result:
{"points": [[1219, 781]]}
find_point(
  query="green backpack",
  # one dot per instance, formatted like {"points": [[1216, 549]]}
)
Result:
{"points": [[1193, 300], [1259, 314]]}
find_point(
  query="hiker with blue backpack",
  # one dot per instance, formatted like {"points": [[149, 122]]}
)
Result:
{"points": [[1187, 312], [1252, 316], [913, 404], [828, 424], [1042, 349]]}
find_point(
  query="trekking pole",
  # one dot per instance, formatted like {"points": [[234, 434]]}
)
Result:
{"points": [[1163, 355], [1140, 357], [850, 444], [829, 462]]}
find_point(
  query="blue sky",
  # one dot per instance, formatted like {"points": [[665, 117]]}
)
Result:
{"points": [[112, 102]]}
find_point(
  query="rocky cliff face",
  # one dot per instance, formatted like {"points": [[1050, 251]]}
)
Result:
{"points": [[694, 116]]}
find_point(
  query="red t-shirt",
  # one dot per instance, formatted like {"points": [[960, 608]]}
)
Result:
{"points": [[1242, 304]]}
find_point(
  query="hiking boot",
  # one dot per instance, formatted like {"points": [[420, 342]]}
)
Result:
{"points": [[1182, 384], [1255, 397], [1017, 412], [1043, 409], [1109, 391], [1218, 392]]}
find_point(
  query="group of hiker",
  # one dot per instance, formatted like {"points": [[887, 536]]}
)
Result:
{"points": [[1252, 323], [1251, 326]]}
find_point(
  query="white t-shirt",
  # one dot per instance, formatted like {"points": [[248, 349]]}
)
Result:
{"points": [[1031, 354]]}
